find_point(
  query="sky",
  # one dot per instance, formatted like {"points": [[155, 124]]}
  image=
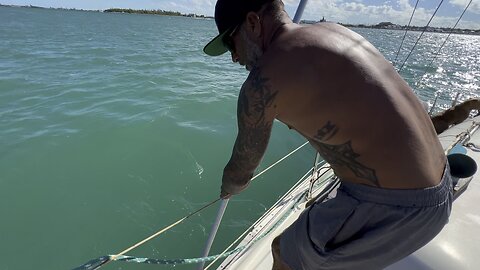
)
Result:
{"points": [[344, 11]]}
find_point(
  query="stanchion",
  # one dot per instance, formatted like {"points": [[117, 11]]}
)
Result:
{"points": [[213, 231]]}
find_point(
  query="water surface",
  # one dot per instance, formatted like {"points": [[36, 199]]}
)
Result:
{"points": [[113, 126]]}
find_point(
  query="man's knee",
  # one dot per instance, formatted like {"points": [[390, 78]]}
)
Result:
{"points": [[276, 245], [278, 263]]}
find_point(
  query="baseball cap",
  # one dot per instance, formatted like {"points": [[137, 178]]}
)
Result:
{"points": [[229, 14]]}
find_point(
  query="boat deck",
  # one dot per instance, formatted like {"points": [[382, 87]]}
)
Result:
{"points": [[456, 245]]}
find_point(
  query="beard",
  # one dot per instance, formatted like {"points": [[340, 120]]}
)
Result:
{"points": [[253, 51]]}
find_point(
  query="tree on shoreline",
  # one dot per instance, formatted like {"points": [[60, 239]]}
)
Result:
{"points": [[153, 12]]}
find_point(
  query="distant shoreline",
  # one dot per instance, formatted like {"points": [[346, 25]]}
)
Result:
{"points": [[122, 10], [155, 12], [382, 25], [391, 26]]}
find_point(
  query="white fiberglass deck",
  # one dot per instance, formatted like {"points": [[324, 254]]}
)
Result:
{"points": [[456, 247]]}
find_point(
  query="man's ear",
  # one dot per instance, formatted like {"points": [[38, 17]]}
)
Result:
{"points": [[253, 24]]}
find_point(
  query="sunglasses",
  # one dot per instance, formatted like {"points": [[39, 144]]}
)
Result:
{"points": [[228, 39]]}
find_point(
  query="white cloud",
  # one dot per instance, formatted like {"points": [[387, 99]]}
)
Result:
{"points": [[474, 6], [354, 7], [357, 12]]}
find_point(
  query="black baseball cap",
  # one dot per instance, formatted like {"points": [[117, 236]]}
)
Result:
{"points": [[228, 15]]}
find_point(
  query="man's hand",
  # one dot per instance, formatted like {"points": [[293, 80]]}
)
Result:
{"points": [[228, 190], [224, 195]]}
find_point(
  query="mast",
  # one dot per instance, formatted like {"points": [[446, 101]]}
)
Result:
{"points": [[300, 9]]}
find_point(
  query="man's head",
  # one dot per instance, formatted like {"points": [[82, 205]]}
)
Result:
{"points": [[229, 15], [246, 28]]}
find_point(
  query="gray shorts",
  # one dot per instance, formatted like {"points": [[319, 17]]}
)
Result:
{"points": [[366, 227]]}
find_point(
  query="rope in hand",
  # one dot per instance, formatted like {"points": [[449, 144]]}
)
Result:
{"points": [[102, 261]]}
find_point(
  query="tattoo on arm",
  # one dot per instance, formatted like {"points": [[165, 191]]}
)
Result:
{"points": [[254, 127], [255, 98]]}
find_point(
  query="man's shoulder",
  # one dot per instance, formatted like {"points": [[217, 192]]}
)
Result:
{"points": [[321, 37], [324, 29]]}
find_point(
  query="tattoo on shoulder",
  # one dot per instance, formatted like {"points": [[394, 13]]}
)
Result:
{"points": [[343, 155], [256, 96]]}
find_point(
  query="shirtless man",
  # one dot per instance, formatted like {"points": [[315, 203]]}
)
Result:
{"points": [[333, 87]]}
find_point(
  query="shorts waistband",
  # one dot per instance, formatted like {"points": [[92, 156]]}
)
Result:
{"points": [[424, 197]]}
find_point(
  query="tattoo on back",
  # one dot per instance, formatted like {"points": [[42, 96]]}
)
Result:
{"points": [[343, 155], [326, 132]]}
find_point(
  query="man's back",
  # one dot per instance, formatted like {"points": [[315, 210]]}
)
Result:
{"points": [[338, 91]]}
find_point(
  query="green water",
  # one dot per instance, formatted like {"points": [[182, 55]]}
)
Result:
{"points": [[113, 126]]}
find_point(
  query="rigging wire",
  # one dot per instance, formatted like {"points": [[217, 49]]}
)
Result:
{"points": [[445, 41], [419, 82], [406, 30], [424, 29]]}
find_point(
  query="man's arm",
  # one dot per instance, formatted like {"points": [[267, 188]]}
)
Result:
{"points": [[454, 115], [255, 113]]}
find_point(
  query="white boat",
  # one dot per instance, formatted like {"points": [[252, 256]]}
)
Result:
{"points": [[454, 248]]}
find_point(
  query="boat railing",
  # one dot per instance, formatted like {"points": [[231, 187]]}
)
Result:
{"points": [[455, 101]]}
